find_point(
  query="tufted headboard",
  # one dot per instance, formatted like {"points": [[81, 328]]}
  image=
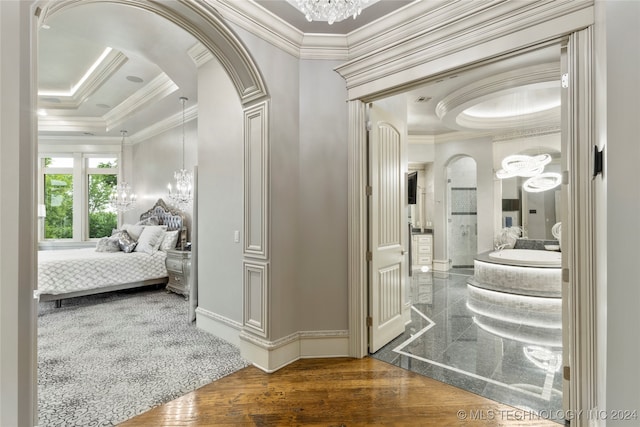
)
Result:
{"points": [[165, 215]]}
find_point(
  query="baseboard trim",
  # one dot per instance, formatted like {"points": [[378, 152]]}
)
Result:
{"points": [[220, 326], [406, 313], [270, 356], [440, 265]]}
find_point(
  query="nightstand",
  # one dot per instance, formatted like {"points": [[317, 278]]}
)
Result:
{"points": [[179, 268]]}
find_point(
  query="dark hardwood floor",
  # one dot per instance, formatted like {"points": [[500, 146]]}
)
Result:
{"points": [[333, 392]]}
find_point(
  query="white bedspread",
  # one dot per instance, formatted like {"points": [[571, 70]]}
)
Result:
{"points": [[62, 271]]}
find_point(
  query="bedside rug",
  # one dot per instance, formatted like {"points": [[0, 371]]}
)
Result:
{"points": [[103, 359]]}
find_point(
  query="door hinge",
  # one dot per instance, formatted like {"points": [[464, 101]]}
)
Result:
{"points": [[565, 80], [369, 126], [369, 321], [565, 275], [369, 190], [566, 373], [369, 256]]}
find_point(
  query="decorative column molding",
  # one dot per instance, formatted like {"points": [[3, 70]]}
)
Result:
{"points": [[256, 181], [357, 236], [256, 220], [579, 233]]}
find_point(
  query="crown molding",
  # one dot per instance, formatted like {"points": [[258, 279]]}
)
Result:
{"points": [[158, 88], [66, 144], [260, 22], [457, 28], [324, 46], [402, 23], [190, 113], [87, 124], [199, 54], [70, 124], [498, 136]]}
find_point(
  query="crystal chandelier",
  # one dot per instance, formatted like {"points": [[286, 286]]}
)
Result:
{"points": [[330, 10], [182, 195], [122, 197]]}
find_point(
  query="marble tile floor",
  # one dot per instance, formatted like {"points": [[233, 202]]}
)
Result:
{"points": [[495, 349]]}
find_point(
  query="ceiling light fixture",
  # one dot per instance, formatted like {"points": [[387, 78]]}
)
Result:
{"points": [[522, 165], [543, 182], [122, 197], [183, 194], [329, 10]]}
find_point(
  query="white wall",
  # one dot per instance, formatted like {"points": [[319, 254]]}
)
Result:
{"points": [[618, 109]]}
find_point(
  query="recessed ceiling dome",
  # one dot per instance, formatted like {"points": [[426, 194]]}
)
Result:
{"points": [[524, 98]]}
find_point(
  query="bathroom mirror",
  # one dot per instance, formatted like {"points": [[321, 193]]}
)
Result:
{"points": [[534, 212]]}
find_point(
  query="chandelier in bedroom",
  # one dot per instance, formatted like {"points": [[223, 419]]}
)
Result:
{"points": [[122, 197], [182, 194], [329, 10]]}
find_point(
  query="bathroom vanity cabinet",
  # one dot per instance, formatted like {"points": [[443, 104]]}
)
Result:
{"points": [[422, 250]]}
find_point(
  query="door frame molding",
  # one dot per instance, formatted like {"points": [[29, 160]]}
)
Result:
{"points": [[583, 383]]}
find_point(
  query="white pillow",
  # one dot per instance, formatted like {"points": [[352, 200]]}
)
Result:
{"points": [[133, 230], [170, 240], [150, 238]]}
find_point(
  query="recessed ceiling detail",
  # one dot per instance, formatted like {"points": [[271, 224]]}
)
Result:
{"points": [[523, 98], [100, 72]]}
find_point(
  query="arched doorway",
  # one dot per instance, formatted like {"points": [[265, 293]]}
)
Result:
{"points": [[462, 212], [204, 23]]}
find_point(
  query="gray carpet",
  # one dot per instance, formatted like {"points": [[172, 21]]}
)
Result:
{"points": [[105, 358]]}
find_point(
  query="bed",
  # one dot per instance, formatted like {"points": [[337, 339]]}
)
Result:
{"points": [[76, 272]]}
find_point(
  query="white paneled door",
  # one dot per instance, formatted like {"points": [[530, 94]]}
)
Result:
{"points": [[387, 229]]}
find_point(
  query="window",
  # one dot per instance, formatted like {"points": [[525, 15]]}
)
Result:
{"points": [[101, 180], [75, 192]]}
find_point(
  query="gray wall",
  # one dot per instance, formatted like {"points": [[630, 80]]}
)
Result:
{"points": [[220, 193], [308, 119], [322, 239], [281, 74], [618, 294], [150, 165]]}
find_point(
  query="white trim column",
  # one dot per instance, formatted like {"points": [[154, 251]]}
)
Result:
{"points": [[578, 232], [18, 232], [357, 237]]}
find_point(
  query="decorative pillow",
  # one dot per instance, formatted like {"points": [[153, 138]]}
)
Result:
{"points": [[150, 238], [108, 244], [125, 242], [170, 240], [134, 230], [152, 220]]}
